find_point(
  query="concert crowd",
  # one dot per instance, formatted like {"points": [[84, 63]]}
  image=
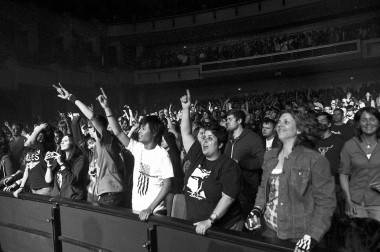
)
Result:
{"points": [[300, 165]]}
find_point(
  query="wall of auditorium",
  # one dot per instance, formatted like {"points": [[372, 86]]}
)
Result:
{"points": [[27, 95], [207, 17]]}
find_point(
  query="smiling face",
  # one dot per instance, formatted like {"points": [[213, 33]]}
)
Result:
{"points": [[210, 146], [286, 127], [368, 123]]}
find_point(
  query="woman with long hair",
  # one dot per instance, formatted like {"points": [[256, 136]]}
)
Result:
{"points": [[296, 196], [360, 166], [67, 170]]}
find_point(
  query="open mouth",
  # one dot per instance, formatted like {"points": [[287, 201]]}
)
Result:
{"points": [[204, 147]]}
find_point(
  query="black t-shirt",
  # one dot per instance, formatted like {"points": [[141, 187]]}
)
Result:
{"points": [[347, 131], [34, 161], [204, 183], [330, 148]]}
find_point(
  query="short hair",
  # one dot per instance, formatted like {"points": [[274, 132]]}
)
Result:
{"points": [[238, 114], [328, 116], [220, 133], [268, 120], [156, 127], [340, 110]]}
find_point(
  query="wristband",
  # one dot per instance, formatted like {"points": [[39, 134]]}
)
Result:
{"points": [[213, 218], [72, 98], [109, 115], [257, 211]]}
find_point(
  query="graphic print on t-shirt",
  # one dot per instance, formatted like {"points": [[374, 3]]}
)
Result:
{"points": [[59, 180], [143, 181], [195, 183], [324, 150], [32, 159]]}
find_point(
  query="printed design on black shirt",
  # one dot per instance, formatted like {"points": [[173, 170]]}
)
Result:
{"points": [[336, 132], [59, 180], [32, 159], [195, 183], [143, 180], [324, 150]]}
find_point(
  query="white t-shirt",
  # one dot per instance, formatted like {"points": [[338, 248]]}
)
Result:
{"points": [[269, 143], [150, 170]]}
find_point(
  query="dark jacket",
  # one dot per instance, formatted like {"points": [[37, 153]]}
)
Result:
{"points": [[306, 193], [275, 144], [248, 150], [74, 178]]}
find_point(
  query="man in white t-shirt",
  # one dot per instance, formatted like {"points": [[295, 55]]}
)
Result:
{"points": [[152, 169]]}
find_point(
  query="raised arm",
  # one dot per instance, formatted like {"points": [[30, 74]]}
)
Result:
{"points": [[33, 137], [65, 95], [187, 137], [115, 127]]}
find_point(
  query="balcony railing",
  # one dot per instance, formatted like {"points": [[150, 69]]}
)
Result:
{"points": [[331, 50]]}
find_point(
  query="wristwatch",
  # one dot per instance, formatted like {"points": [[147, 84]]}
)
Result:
{"points": [[213, 218]]}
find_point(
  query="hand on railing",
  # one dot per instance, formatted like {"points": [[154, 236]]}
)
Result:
{"points": [[201, 227]]}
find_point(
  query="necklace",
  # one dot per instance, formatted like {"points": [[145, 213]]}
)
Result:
{"points": [[368, 145]]}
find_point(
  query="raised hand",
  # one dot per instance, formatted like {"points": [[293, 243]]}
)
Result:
{"points": [[62, 92], [103, 99], [41, 126], [253, 220], [186, 100]]}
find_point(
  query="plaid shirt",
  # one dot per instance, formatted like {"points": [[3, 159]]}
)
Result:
{"points": [[270, 214]]}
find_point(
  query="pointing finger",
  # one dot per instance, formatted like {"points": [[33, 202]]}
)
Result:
{"points": [[103, 93]]}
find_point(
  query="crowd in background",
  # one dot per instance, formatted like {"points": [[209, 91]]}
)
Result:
{"points": [[175, 56], [292, 165]]}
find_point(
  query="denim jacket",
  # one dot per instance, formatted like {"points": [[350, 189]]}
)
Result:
{"points": [[306, 198]]}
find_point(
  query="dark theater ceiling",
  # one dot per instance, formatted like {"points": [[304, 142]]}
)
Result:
{"points": [[114, 11]]}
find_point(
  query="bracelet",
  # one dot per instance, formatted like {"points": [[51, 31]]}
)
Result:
{"points": [[213, 218], [109, 115], [21, 187], [72, 98]]}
